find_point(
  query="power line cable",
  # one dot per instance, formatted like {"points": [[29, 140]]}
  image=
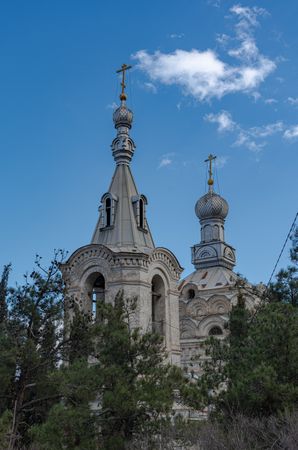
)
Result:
{"points": [[283, 247]]}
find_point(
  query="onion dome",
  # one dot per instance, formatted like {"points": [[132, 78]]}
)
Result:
{"points": [[123, 116], [211, 205]]}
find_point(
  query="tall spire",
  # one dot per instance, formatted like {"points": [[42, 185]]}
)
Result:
{"points": [[212, 209], [123, 146], [122, 224]]}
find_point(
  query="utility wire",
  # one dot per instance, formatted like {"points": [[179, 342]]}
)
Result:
{"points": [[283, 247]]}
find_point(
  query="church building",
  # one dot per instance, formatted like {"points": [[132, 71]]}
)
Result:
{"points": [[122, 257]]}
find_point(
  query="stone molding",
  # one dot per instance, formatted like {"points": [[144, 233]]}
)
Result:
{"points": [[169, 261]]}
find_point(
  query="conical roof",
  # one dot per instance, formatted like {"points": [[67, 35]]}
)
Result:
{"points": [[126, 231], [125, 234]]}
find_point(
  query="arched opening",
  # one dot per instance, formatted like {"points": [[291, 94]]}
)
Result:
{"points": [[108, 212], [191, 294], [141, 216], [158, 305], [215, 331], [96, 292]]}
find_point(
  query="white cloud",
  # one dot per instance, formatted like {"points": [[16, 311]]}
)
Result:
{"points": [[150, 87], [215, 3], [112, 105], [291, 132], [221, 161], [166, 160], [252, 138], [223, 39], [266, 130], [176, 35], [293, 101], [203, 74], [245, 140], [270, 101], [223, 119]]}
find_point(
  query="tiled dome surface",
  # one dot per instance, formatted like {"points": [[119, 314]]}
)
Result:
{"points": [[123, 116], [211, 205]]}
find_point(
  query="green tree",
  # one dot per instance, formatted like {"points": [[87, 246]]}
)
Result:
{"points": [[128, 384], [285, 288], [253, 371], [31, 339]]}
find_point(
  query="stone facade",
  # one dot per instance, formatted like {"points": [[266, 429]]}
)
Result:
{"points": [[122, 257]]}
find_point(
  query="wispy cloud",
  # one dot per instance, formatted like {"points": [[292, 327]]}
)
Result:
{"points": [[166, 160], [176, 35], [253, 138], [221, 161], [150, 87], [223, 119], [215, 3], [291, 132], [293, 101], [204, 74], [112, 105], [270, 101]]}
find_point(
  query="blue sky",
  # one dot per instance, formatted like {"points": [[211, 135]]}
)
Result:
{"points": [[209, 77]]}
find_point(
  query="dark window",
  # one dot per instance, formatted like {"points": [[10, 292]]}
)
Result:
{"points": [[158, 305], [191, 293], [98, 293], [141, 206], [215, 331], [108, 212]]}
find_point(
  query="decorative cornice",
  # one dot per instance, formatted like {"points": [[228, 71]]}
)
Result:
{"points": [[168, 259]]}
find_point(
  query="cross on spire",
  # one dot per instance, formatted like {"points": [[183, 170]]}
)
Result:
{"points": [[210, 159], [123, 69]]}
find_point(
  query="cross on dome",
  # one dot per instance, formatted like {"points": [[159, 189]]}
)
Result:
{"points": [[123, 69], [210, 159]]}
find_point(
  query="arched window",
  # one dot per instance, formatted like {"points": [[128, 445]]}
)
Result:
{"points": [[191, 294], [215, 331], [158, 305], [98, 293], [108, 212], [141, 209], [95, 286]]}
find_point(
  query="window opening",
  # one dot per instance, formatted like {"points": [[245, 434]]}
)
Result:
{"points": [[108, 212], [158, 305], [215, 331], [141, 207], [98, 295], [191, 293]]}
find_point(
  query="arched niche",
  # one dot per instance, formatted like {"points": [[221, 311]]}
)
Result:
{"points": [[158, 304], [219, 304], [95, 287], [188, 329], [215, 331], [210, 322], [189, 291]]}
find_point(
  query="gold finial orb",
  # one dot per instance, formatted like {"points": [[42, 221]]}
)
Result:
{"points": [[210, 182], [122, 96]]}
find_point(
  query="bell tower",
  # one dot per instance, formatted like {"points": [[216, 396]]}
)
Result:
{"points": [[122, 254]]}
